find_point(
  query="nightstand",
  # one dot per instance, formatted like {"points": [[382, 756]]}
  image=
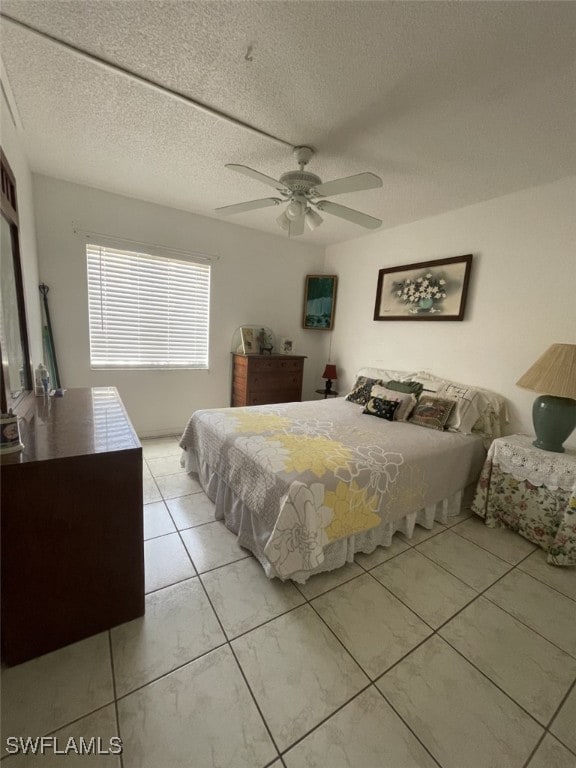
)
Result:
{"points": [[532, 492], [332, 393]]}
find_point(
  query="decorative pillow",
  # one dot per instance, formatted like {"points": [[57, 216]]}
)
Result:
{"points": [[491, 407], [468, 406], [432, 412], [360, 393], [413, 387], [407, 400], [384, 409]]}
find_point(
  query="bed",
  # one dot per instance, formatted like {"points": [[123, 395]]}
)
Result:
{"points": [[307, 485]]}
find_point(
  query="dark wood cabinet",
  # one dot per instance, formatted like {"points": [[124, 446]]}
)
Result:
{"points": [[264, 379], [72, 538]]}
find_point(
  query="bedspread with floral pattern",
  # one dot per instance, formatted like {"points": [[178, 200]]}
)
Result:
{"points": [[320, 471]]}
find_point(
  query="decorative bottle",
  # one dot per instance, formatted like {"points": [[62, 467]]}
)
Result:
{"points": [[41, 380]]}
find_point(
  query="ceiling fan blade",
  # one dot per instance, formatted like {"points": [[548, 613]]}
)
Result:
{"points": [[251, 205], [296, 226], [349, 214], [258, 176], [349, 184]]}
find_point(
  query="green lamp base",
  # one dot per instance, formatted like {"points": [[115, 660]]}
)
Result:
{"points": [[554, 421]]}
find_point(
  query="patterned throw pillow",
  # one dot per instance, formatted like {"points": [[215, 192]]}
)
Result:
{"points": [[360, 393], [407, 400], [432, 412], [412, 387], [384, 409], [467, 409]]}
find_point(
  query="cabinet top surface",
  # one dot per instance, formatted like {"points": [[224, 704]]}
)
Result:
{"points": [[524, 445], [273, 356], [83, 421]]}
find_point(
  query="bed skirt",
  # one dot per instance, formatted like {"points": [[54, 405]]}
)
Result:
{"points": [[239, 519]]}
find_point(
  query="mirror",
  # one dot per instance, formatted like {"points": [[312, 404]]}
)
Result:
{"points": [[16, 369]]}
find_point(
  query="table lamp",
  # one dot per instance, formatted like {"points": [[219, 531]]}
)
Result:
{"points": [[329, 374], [554, 412]]}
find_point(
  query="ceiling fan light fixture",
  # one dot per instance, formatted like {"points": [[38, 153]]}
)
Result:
{"points": [[313, 219], [283, 221], [300, 190], [295, 209]]}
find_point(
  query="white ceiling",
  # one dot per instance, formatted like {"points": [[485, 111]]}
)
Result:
{"points": [[450, 103]]}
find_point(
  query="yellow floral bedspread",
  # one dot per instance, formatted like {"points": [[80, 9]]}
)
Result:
{"points": [[316, 472]]}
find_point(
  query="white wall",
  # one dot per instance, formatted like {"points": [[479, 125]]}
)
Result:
{"points": [[258, 279], [522, 295], [13, 149]]}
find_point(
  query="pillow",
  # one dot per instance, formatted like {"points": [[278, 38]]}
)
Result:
{"points": [[406, 399], [491, 407], [427, 384], [468, 406], [432, 412], [383, 409], [360, 393], [385, 374], [415, 387]]}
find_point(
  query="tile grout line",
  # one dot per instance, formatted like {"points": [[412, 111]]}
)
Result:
{"points": [[434, 631], [325, 719], [509, 696], [239, 666], [268, 621], [169, 672], [483, 592], [308, 601], [115, 696], [229, 644], [372, 681], [407, 725], [349, 652], [522, 560]]}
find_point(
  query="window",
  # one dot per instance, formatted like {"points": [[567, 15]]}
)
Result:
{"points": [[147, 311]]}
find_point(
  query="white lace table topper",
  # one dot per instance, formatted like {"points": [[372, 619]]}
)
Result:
{"points": [[517, 456]]}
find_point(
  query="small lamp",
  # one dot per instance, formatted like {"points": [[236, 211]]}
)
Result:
{"points": [[329, 374], [554, 412]]}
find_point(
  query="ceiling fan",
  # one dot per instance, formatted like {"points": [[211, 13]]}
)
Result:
{"points": [[304, 191]]}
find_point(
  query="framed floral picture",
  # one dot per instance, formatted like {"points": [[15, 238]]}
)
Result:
{"points": [[319, 302], [430, 290]]}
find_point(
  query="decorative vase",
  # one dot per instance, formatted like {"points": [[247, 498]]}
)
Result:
{"points": [[425, 304]]}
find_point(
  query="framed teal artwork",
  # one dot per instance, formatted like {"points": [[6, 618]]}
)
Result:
{"points": [[319, 302]]}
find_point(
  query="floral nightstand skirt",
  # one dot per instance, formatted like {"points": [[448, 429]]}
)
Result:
{"points": [[532, 492]]}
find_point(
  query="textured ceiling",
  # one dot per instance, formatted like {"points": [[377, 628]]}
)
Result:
{"points": [[450, 103]]}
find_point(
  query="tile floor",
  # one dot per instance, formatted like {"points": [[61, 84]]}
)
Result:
{"points": [[454, 649]]}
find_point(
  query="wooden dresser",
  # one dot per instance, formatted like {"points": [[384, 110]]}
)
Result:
{"points": [[72, 541], [263, 379]]}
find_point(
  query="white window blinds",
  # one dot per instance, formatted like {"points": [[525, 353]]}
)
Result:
{"points": [[147, 311]]}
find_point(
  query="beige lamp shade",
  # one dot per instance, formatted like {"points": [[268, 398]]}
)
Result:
{"points": [[554, 373]]}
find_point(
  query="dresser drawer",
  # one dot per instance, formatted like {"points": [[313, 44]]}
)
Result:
{"points": [[269, 398], [268, 364], [274, 380]]}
